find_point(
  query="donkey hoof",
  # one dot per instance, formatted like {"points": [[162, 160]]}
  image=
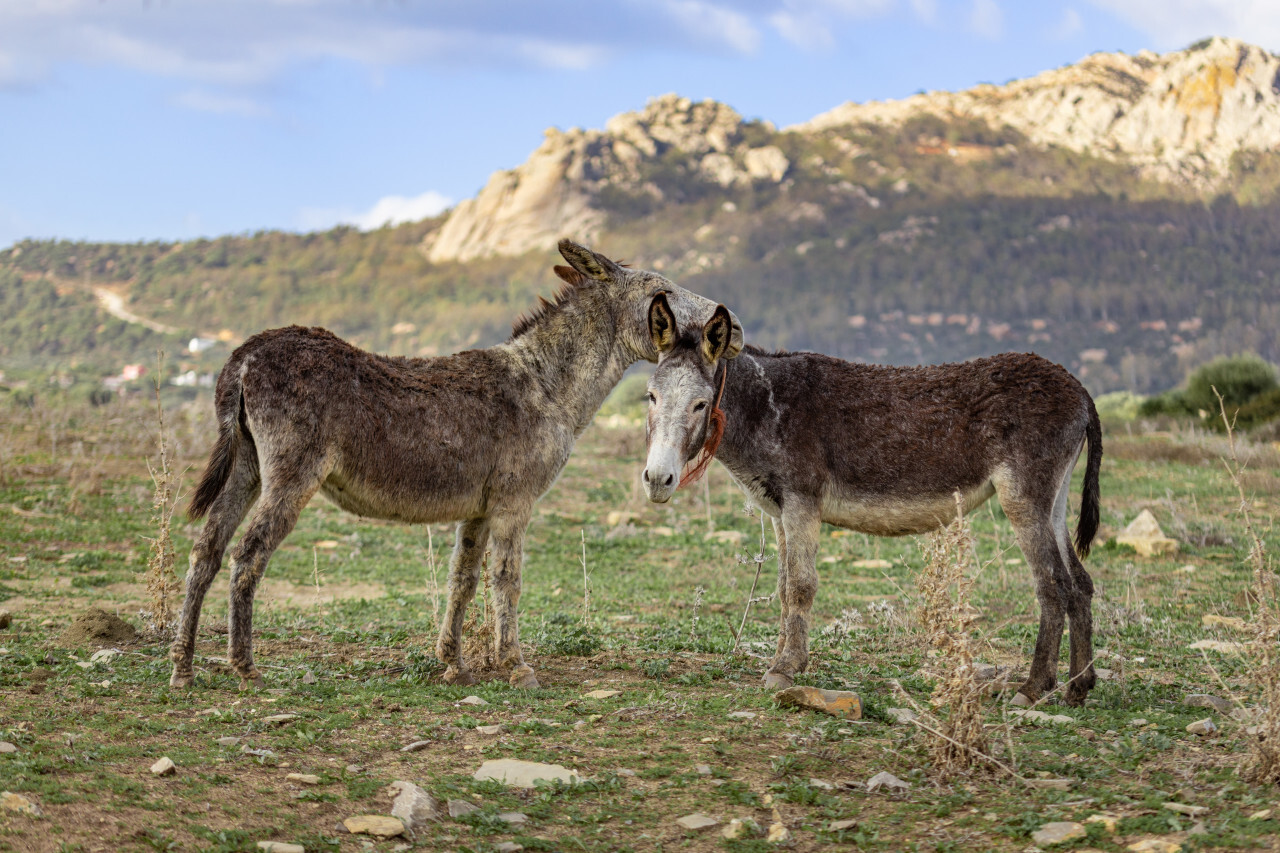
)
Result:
{"points": [[523, 678], [181, 679], [777, 680], [459, 677], [252, 681]]}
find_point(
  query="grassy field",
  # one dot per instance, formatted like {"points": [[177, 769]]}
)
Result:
{"points": [[345, 628]]}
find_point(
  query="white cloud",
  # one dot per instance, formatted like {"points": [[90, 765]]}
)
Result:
{"points": [[808, 32], [1069, 25], [986, 19], [716, 22], [1177, 23], [209, 102], [389, 210], [925, 10], [810, 24]]}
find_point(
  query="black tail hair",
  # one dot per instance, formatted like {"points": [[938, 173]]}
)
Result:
{"points": [[221, 459], [1090, 510]]}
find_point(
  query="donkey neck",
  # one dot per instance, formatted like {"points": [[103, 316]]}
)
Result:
{"points": [[575, 355]]}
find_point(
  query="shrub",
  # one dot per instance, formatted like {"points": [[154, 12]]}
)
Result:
{"points": [[1238, 378]]}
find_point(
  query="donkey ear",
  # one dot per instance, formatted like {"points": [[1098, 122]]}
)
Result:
{"points": [[570, 275], [717, 334], [589, 263], [662, 323]]}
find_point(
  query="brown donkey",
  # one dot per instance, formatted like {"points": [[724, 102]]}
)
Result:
{"points": [[883, 450], [475, 437]]}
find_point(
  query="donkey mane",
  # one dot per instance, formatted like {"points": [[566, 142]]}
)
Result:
{"points": [[546, 307]]}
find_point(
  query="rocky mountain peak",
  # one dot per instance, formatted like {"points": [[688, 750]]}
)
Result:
{"points": [[1180, 116]]}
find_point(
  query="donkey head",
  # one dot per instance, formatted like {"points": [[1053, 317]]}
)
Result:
{"points": [[684, 396], [631, 292]]}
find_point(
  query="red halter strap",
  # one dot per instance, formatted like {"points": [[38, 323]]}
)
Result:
{"points": [[715, 432]]}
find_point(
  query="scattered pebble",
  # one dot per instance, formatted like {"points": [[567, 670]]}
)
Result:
{"points": [[1042, 717], [1265, 814], [515, 819], [741, 715], [849, 823], [309, 677], [460, 808], [377, 825], [1108, 821], [697, 820], [603, 694], [837, 703], [1059, 832], [354, 768], [228, 741], [304, 778], [1052, 784], [18, 803], [702, 769], [1139, 721], [887, 780], [821, 785], [778, 834], [280, 847], [1020, 700], [104, 655], [871, 564], [508, 847], [413, 806], [734, 830], [1235, 623], [523, 774], [164, 767], [1154, 845], [1207, 700], [901, 716], [1202, 727], [280, 719], [1189, 811], [1218, 646], [489, 731], [626, 772], [472, 700], [415, 746], [6, 747]]}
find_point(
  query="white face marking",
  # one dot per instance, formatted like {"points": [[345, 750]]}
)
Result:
{"points": [[679, 396]]}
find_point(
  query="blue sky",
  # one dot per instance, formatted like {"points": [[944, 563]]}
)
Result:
{"points": [[171, 119]]}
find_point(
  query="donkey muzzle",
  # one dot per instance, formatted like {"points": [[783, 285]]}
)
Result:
{"points": [[662, 473]]}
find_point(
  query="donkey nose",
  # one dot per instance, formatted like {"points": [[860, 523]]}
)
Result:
{"points": [[645, 475], [670, 479]]}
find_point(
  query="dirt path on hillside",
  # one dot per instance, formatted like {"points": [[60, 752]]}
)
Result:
{"points": [[113, 304]]}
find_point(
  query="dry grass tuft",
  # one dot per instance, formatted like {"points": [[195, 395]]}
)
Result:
{"points": [[478, 630], [162, 579], [1263, 763], [958, 741]]}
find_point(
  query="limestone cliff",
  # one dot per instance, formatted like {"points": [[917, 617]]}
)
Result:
{"points": [[1180, 116]]}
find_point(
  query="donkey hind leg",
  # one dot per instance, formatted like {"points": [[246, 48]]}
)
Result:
{"points": [[228, 510], [1039, 543], [464, 572], [781, 535], [1079, 602], [802, 526], [277, 512], [508, 546]]}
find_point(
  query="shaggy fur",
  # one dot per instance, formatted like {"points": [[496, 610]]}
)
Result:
{"points": [[475, 437], [882, 450]]}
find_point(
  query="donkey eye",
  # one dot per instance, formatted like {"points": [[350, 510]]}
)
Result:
{"points": [[652, 399], [699, 407]]}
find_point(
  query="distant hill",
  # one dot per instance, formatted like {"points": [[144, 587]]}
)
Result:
{"points": [[1119, 215]]}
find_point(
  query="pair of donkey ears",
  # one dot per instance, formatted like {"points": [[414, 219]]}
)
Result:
{"points": [[717, 334]]}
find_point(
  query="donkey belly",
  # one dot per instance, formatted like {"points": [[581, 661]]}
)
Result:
{"points": [[894, 515], [402, 501]]}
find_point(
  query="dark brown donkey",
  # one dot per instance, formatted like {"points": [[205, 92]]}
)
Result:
{"points": [[475, 437], [883, 450]]}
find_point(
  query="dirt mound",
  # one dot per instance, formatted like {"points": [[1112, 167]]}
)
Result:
{"points": [[97, 626]]}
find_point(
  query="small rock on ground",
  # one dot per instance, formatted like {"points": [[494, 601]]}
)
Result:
{"points": [[1207, 700], [376, 825], [18, 803], [516, 819], [1154, 845], [697, 820], [778, 834], [735, 829], [280, 847], [413, 806], [1202, 727], [415, 746], [837, 703], [821, 785], [164, 767], [304, 778], [1264, 814], [702, 769], [603, 694], [309, 677], [1108, 821], [1059, 832], [837, 825], [472, 700], [508, 847], [6, 747], [1189, 811], [523, 774], [280, 719], [742, 715], [228, 741], [489, 731], [900, 716], [1052, 784], [460, 808], [885, 779]]}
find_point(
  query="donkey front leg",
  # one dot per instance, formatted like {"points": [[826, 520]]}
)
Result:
{"points": [[464, 572], [508, 544], [801, 525]]}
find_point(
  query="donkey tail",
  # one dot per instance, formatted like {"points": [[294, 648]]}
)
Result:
{"points": [[1090, 511], [230, 410]]}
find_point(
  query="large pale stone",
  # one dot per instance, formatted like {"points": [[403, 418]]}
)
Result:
{"points": [[1058, 832], [413, 806], [837, 703], [18, 803], [697, 820], [523, 774], [1145, 536], [377, 825]]}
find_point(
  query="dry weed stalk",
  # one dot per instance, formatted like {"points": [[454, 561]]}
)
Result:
{"points": [[586, 581], [1263, 763], [758, 559], [162, 579], [959, 741], [435, 581], [477, 649]]}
